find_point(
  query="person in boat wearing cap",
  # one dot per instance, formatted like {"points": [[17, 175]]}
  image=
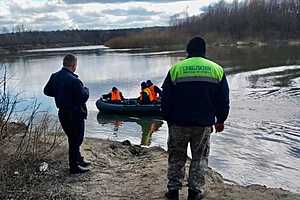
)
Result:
{"points": [[115, 96], [155, 92]]}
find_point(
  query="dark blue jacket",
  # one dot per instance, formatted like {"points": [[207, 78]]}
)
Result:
{"points": [[157, 90], [69, 93], [195, 103]]}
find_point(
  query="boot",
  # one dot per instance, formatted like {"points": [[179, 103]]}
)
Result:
{"points": [[78, 170], [84, 163], [195, 195], [172, 195]]}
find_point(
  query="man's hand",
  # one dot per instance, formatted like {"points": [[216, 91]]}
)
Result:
{"points": [[219, 127]]}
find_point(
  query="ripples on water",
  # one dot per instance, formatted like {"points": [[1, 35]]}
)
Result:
{"points": [[261, 142], [264, 129]]}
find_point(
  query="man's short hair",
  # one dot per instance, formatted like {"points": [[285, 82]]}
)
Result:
{"points": [[196, 47], [69, 60], [143, 85], [114, 89], [149, 82]]}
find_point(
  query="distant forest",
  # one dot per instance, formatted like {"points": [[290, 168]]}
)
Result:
{"points": [[225, 23], [19, 40], [222, 23]]}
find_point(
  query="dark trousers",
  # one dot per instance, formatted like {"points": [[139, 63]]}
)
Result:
{"points": [[73, 127]]}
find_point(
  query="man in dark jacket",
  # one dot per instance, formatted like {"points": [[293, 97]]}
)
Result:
{"points": [[195, 97], [70, 97]]}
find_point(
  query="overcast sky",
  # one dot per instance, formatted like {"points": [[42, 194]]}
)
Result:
{"points": [[93, 14]]}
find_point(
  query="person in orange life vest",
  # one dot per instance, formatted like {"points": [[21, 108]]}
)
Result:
{"points": [[114, 96], [145, 94], [154, 90]]}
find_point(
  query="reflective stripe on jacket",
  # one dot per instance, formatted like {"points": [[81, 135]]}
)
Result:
{"points": [[195, 93], [196, 69]]}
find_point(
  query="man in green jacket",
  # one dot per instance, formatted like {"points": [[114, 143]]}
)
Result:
{"points": [[195, 98]]}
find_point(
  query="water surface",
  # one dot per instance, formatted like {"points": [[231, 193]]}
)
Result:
{"points": [[261, 141]]}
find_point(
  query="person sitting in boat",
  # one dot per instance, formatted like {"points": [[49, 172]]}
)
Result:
{"points": [[145, 94], [115, 96], [155, 91]]}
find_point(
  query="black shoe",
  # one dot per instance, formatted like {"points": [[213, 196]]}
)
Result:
{"points": [[195, 195], [172, 195], [78, 170], [84, 163]]}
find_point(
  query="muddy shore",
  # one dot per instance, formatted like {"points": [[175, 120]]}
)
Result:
{"points": [[119, 171]]}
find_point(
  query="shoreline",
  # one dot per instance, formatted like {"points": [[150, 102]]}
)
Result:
{"points": [[119, 171], [19, 49], [220, 43], [30, 49]]}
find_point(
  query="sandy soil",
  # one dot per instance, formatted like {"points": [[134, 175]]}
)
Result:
{"points": [[119, 171]]}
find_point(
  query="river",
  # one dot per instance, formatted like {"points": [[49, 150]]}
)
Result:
{"points": [[261, 141]]}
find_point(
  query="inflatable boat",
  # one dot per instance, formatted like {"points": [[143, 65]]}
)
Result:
{"points": [[128, 107]]}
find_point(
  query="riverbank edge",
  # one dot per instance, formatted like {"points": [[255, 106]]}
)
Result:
{"points": [[219, 43], [19, 50], [216, 187], [119, 170]]}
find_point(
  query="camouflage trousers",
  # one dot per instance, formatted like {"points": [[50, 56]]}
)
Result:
{"points": [[179, 138]]}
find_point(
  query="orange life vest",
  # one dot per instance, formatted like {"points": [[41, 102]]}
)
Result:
{"points": [[148, 92], [116, 95], [153, 93]]}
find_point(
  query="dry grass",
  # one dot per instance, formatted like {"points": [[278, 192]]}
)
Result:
{"points": [[22, 179], [28, 137], [150, 39]]}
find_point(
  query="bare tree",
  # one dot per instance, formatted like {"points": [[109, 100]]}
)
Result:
{"points": [[36, 132]]}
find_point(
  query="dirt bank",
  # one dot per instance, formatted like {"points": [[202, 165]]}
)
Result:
{"points": [[119, 171]]}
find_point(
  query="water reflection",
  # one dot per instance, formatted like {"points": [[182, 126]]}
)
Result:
{"points": [[149, 125]]}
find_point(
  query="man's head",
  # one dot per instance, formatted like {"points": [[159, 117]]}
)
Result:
{"points": [[70, 61], [196, 47], [149, 83], [143, 85], [114, 89]]}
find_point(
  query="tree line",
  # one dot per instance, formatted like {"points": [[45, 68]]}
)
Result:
{"points": [[263, 20], [221, 22], [241, 19], [41, 39]]}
